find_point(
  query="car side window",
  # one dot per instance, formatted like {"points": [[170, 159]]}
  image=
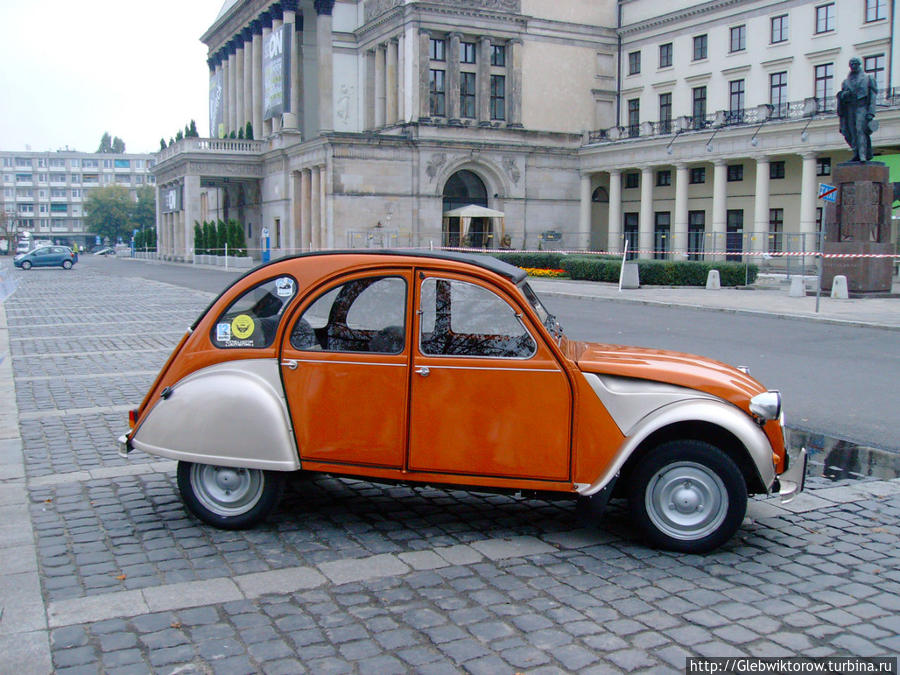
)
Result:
{"points": [[462, 319], [362, 315], [252, 319]]}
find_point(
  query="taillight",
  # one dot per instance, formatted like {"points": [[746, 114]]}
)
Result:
{"points": [[132, 418]]}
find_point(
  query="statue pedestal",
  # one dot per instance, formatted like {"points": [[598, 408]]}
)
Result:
{"points": [[859, 224]]}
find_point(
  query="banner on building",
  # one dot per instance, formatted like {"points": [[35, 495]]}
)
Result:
{"points": [[216, 117], [276, 68], [171, 199]]}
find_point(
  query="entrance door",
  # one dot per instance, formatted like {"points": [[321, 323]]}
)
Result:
{"points": [[345, 366], [487, 397]]}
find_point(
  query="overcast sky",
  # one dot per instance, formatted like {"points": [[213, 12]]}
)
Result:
{"points": [[72, 69]]}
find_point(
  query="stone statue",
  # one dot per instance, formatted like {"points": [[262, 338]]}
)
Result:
{"points": [[856, 110]]}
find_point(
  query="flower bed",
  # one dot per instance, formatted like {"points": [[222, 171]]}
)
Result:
{"points": [[541, 272]]}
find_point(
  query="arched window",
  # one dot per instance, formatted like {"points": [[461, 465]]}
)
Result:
{"points": [[600, 195]]}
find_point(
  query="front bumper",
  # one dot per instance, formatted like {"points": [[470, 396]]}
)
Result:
{"points": [[793, 480]]}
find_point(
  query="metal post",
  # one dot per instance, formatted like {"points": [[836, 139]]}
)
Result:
{"points": [[226, 255], [820, 265]]}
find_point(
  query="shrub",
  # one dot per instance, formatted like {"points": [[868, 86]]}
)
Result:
{"points": [[542, 260], [661, 272], [199, 245]]}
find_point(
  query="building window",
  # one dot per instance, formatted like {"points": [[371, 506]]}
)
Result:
{"points": [[467, 94], [632, 179], [467, 52], [696, 228], [665, 55], [824, 87], [662, 222], [779, 29], [498, 55], [776, 229], [437, 49], [735, 173], [736, 101], [734, 238], [874, 66], [634, 117], [819, 211], [663, 178], [437, 93], [665, 113], [698, 175], [699, 106], [700, 43], [498, 97], [876, 10], [776, 170], [738, 42], [778, 94], [823, 166], [825, 18], [634, 63]]}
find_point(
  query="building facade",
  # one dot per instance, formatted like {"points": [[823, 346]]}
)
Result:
{"points": [[44, 192], [694, 128]]}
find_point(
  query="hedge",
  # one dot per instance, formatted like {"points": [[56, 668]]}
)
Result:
{"points": [[651, 272], [661, 272]]}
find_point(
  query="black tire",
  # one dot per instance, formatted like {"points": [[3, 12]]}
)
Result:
{"points": [[229, 498], [67, 264], [687, 496], [26, 265]]}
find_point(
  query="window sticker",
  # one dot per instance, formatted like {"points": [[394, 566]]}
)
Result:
{"points": [[242, 326], [223, 332], [284, 287]]}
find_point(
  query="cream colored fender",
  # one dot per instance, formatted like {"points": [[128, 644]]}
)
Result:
{"points": [[229, 414], [640, 408]]}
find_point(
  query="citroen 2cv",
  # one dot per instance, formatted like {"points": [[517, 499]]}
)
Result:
{"points": [[447, 369]]}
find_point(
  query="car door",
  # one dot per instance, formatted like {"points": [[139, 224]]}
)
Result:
{"points": [[42, 257], [345, 368], [487, 395]]}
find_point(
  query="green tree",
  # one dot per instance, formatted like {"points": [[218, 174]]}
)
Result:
{"points": [[192, 130], [248, 134], [209, 237], [143, 214], [105, 143], [118, 145], [221, 236], [179, 135], [241, 133], [162, 143], [199, 246], [109, 211]]}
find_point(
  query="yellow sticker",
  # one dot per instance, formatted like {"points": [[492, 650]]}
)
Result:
{"points": [[242, 326]]}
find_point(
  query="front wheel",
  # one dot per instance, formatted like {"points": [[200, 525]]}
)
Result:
{"points": [[688, 496], [228, 497], [26, 265]]}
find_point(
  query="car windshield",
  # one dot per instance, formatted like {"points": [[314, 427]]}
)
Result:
{"points": [[548, 319]]}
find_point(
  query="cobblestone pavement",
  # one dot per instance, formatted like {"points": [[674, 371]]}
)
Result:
{"points": [[351, 577]]}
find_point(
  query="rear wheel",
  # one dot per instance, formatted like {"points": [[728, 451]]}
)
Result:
{"points": [[688, 496], [228, 497], [26, 265], [67, 264]]}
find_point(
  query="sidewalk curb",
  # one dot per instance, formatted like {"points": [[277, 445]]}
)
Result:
{"points": [[728, 310]]}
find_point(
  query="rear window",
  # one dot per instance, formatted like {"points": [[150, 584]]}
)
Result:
{"points": [[251, 321]]}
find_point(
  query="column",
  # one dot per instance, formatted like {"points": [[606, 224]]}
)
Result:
{"points": [[294, 120], [226, 91], [190, 199], [514, 82], [315, 208], [808, 196], [645, 221], [266, 18], [215, 68], [452, 78], [390, 82], [584, 219], [680, 221], [232, 88], [238, 83], [277, 15], [159, 222], [324, 52], [759, 234], [483, 102], [257, 119], [369, 94], [614, 222], [247, 37], [424, 68], [402, 113], [305, 211], [380, 58], [719, 209], [323, 202]]}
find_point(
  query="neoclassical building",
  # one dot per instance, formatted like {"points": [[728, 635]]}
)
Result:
{"points": [[698, 126]]}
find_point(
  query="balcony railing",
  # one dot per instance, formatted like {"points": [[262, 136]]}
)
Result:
{"points": [[211, 145], [761, 114]]}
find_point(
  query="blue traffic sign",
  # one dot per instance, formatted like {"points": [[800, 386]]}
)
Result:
{"points": [[827, 192]]}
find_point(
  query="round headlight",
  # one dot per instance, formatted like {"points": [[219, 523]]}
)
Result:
{"points": [[766, 406]]}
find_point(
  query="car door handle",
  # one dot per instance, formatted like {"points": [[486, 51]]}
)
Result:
{"points": [[290, 363], [424, 371]]}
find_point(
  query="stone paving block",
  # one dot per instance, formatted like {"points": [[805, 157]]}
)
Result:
{"points": [[279, 581], [499, 549], [348, 571]]}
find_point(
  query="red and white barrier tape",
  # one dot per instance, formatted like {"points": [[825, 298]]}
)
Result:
{"points": [[770, 254]]}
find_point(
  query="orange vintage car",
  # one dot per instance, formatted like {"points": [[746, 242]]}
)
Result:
{"points": [[447, 369]]}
